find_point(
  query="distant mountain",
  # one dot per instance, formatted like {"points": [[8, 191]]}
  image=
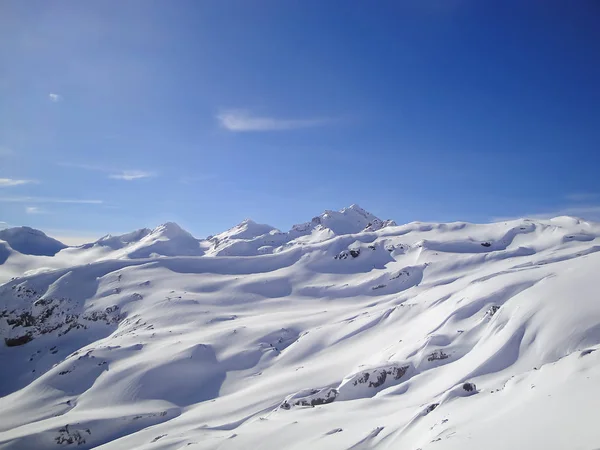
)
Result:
{"points": [[120, 241], [247, 229], [168, 239], [250, 238], [29, 241], [349, 220]]}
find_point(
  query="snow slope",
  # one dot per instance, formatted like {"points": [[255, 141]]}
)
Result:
{"points": [[345, 333]]}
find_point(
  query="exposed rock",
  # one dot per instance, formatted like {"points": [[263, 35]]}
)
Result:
{"points": [[48, 314], [344, 254], [493, 310], [68, 437], [431, 408], [437, 355], [381, 374], [367, 383], [377, 224], [310, 397], [21, 340], [469, 387]]}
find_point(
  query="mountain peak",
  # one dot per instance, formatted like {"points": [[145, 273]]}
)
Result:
{"points": [[170, 230], [356, 208], [119, 241], [349, 220], [246, 229], [30, 241], [168, 239]]}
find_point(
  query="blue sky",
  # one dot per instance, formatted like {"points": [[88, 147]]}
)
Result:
{"points": [[118, 115]]}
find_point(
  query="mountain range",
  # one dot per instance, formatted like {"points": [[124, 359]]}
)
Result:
{"points": [[347, 331]]}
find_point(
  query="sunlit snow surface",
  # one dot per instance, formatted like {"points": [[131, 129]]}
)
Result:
{"points": [[430, 336]]}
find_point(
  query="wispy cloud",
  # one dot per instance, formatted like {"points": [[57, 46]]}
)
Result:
{"points": [[34, 210], [582, 196], [55, 98], [129, 175], [241, 120], [116, 174], [7, 182], [49, 200]]}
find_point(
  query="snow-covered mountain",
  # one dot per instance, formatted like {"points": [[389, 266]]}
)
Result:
{"points": [[345, 332], [168, 239], [120, 241], [349, 220], [28, 241], [249, 238]]}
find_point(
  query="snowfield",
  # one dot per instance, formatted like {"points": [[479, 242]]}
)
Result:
{"points": [[346, 332]]}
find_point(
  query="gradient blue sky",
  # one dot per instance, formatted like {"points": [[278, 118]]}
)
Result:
{"points": [[117, 115]]}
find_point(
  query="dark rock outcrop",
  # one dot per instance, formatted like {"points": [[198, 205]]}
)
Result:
{"points": [[310, 397], [437, 355], [469, 387]]}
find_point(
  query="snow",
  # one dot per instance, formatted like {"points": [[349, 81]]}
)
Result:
{"points": [[345, 332], [247, 229], [30, 242], [349, 220], [118, 242]]}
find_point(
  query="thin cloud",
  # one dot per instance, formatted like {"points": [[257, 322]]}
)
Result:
{"points": [[34, 210], [239, 121], [116, 174], [49, 200], [7, 182], [130, 175], [55, 98]]}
